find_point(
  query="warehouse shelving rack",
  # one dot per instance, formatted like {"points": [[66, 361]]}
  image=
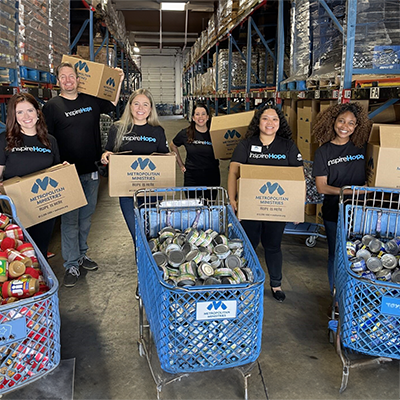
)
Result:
{"points": [[387, 91]]}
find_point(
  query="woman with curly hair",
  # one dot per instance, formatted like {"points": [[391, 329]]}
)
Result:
{"points": [[343, 131], [25, 148], [267, 142]]}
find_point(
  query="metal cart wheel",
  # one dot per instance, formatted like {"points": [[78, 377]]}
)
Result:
{"points": [[311, 241]]}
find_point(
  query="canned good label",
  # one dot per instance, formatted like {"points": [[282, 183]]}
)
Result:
{"points": [[212, 310]]}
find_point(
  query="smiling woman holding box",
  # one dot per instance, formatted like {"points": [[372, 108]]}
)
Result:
{"points": [[267, 142], [139, 132], [25, 148]]}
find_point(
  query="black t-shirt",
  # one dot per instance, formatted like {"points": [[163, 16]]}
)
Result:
{"points": [[199, 153], [30, 157], [141, 140], [343, 165], [76, 126], [281, 152]]}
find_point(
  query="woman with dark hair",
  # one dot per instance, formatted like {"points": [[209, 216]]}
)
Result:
{"points": [[200, 167], [25, 148], [267, 142], [342, 131]]}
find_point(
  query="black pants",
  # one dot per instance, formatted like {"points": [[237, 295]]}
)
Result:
{"points": [[41, 235], [202, 177], [270, 233]]}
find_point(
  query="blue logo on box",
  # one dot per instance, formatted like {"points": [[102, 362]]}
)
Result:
{"points": [[143, 163], [81, 65], [43, 184], [110, 81], [231, 134], [271, 188]]}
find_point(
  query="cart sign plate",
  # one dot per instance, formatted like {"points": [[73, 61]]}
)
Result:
{"points": [[12, 331], [210, 310], [390, 305]]}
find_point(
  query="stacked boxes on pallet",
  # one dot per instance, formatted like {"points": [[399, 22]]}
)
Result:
{"points": [[7, 34], [43, 33]]}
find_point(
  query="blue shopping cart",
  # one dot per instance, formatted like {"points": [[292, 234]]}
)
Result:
{"points": [[186, 340], [369, 310]]}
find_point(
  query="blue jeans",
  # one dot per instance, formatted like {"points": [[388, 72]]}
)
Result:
{"points": [[75, 225], [330, 229]]}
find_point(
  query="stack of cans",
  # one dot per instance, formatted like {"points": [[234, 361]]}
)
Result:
{"points": [[373, 259], [197, 257]]}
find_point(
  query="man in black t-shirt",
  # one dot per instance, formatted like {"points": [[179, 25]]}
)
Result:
{"points": [[74, 120]]}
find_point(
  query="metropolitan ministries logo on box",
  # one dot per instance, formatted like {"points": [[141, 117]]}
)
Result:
{"points": [[143, 169], [46, 190], [272, 194], [231, 134]]}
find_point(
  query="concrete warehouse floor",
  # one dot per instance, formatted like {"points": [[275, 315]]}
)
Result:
{"points": [[99, 326]]}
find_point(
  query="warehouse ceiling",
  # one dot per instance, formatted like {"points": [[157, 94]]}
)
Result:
{"points": [[152, 28]]}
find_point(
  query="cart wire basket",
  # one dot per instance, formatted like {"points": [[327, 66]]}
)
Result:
{"points": [[369, 310], [188, 339], [30, 328]]}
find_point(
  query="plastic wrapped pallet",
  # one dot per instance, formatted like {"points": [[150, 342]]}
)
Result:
{"points": [[101, 57], [203, 41], [59, 30], [7, 34], [212, 28]]}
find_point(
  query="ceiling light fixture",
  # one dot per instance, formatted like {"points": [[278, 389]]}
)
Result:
{"points": [[173, 6]]}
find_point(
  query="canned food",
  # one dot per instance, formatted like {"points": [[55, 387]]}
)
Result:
{"points": [[167, 232], [350, 249], [186, 280], [368, 275], [389, 261], [179, 239], [249, 274], [165, 243], [207, 241], [212, 233], [235, 244], [374, 264], [173, 272], [357, 264], [239, 275], [176, 258], [363, 253], [186, 248], [395, 277], [238, 252], [221, 239], [171, 247], [192, 235], [383, 275], [366, 239], [205, 255], [200, 239], [205, 270], [375, 245], [194, 255], [212, 281], [160, 259], [222, 272], [153, 244], [232, 261], [188, 267], [243, 261], [165, 272], [214, 261], [222, 251]]}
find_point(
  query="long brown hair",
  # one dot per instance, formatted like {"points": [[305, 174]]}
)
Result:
{"points": [[13, 129], [192, 127]]}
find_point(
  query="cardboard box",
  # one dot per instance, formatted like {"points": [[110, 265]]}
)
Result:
{"points": [[290, 112], [390, 114], [383, 156], [95, 79], [307, 111], [270, 193], [127, 174], [226, 131], [45, 194]]}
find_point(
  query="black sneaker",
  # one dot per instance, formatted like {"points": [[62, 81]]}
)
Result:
{"points": [[71, 276], [88, 264]]}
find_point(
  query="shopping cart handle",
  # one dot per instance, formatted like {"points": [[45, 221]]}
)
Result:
{"points": [[11, 203]]}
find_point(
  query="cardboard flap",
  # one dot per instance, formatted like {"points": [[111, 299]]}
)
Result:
{"points": [[231, 120], [389, 136], [17, 179], [270, 172]]}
